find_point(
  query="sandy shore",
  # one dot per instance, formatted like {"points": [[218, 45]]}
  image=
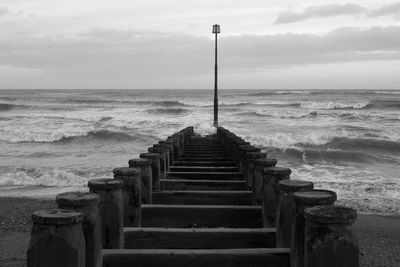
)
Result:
{"points": [[379, 236]]}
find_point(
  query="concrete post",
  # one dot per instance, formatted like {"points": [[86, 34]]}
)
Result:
{"points": [[259, 165], [155, 168], [131, 179], [163, 161], [304, 200], [147, 184], [329, 239], [250, 157], [88, 204], [111, 211], [56, 239], [287, 208], [270, 196]]}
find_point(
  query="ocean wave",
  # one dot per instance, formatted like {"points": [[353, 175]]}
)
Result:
{"points": [[384, 104], [334, 105], [60, 137], [357, 144], [165, 103], [283, 114], [7, 107], [174, 111], [48, 177]]}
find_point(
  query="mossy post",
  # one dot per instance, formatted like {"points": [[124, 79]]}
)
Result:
{"points": [[88, 204], [259, 166], [111, 211], [155, 168], [303, 200], [329, 239], [56, 239], [287, 209], [131, 179], [270, 195], [147, 184]]}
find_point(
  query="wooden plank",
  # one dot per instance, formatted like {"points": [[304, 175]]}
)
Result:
{"points": [[204, 163], [177, 184], [261, 257], [184, 158], [203, 197], [206, 175], [203, 169], [186, 216], [208, 238]]}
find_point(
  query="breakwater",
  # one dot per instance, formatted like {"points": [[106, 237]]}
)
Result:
{"points": [[198, 201]]}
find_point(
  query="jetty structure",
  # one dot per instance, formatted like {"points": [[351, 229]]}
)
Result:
{"points": [[196, 201]]}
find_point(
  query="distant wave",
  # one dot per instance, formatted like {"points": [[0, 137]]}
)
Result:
{"points": [[175, 111], [98, 135], [168, 103], [7, 107], [164, 103], [89, 101], [359, 144], [385, 104], [334, 105], [61, 138]]}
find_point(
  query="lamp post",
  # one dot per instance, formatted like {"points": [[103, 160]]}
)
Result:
{"points": [[216, 30]]}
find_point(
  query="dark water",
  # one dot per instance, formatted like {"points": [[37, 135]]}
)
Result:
{"points": [[348, 141]]}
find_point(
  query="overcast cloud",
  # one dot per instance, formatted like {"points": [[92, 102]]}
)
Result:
{"points": [[72, 46]]}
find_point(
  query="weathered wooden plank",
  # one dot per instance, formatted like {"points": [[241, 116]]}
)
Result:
{"points": [[203, 197], [178, 184], [204, 163], [203, 169], [206, 175], [261, 257], [185, 158], [185, 216], [208, 238]]}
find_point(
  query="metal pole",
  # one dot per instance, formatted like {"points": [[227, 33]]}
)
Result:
{"points": [[216, 85]]}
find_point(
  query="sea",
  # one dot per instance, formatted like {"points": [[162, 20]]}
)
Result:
{"points": [[53, 141]]}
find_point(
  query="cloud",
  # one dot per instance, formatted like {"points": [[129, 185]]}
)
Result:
{"points": [[110, 58], [3, 11], [323, 11], [392, 9]]}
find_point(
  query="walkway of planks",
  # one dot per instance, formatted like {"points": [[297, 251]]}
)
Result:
{"points": [[202, 216]]}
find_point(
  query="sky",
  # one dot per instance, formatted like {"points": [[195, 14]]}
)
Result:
{"points": [[168, 44]]}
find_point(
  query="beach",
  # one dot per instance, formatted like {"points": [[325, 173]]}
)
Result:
{"points": [[378, 236]]}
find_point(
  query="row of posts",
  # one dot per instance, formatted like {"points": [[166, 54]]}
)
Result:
{"points": [[74, 234], [318, 232]]}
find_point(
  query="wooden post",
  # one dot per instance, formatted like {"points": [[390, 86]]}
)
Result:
{"points": [[111, 211], [259, 165], [286, 209], [272, 177], [147, 184], [131, 194], [304, 200], [170, 146], [163, 161], [56, 239], [88, 204], [155, 168], [329, 239], [249, 166]]}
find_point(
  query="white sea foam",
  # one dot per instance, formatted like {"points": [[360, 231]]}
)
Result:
{"points": [[204, 129], [333, 105]]}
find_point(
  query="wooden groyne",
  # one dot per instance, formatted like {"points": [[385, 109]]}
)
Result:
{"points": [[196, 201]]}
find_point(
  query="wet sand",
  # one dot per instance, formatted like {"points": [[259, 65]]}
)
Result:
{"points": [[379, 236]]}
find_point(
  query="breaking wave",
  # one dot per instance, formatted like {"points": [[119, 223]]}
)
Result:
{"points": [[175, 111]]}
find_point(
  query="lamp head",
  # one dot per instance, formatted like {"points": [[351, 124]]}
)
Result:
{"points": [[216, 29]]}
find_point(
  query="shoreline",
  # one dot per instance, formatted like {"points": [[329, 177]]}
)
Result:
{"points": [[378, 235]]}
